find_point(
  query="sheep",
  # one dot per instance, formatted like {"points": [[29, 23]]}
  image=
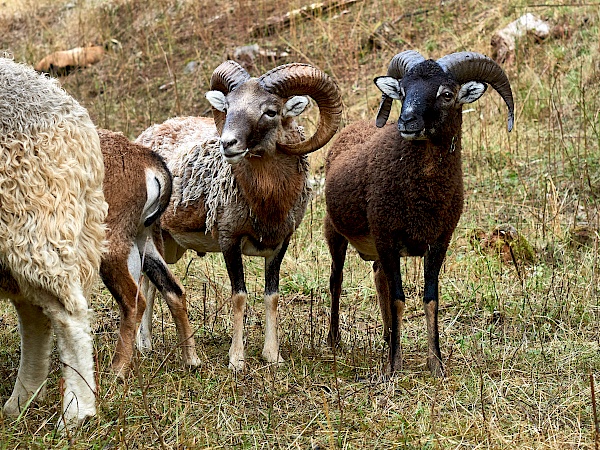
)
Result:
{"points": [[137, 188], [52, 211], [393, 193], [246, 191]]}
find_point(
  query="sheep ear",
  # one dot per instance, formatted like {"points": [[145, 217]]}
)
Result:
{"points": [[294, 106], [471, 91], [217, 100], [390, 86]]}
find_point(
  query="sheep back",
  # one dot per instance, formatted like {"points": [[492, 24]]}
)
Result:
{"points": [[125, 165], [374, 187], [52, 207], [202, 179]]}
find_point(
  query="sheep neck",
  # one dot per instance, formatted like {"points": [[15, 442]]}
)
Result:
{"points": [[271, 185]]}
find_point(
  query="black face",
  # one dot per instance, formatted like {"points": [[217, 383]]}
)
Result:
{"points": [[429, 101]]}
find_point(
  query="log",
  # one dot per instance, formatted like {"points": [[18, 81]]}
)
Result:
{"points": [[273, 23]]}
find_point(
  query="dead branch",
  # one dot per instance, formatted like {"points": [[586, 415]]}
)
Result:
{"points": [[306, 12]]}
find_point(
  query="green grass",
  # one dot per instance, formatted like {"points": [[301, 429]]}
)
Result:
{"points": [[519, 338]]}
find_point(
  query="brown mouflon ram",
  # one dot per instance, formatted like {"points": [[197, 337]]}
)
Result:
{"points": [[240, 183], [395, 191], [137, 188]]}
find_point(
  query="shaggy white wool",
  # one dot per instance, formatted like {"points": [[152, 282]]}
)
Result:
{"points": [[203, 172], [53, 208], [191, 148], [206, 174]]}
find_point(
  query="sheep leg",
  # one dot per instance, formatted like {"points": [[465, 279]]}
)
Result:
{"points": [[36, 345], [121, 277], [390, 263], [434, 257], [75, 347], [235, 269], [272, 266], [338, 245], [156, 269], [383, 295], [171, 252], [144, 335]]}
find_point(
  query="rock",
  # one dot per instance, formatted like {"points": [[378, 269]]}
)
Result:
{"points": [[506, 242], [190, 67], [504, 40]]}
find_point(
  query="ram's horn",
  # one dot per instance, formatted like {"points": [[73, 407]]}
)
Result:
{"points": [[303, 79], [225, 78], [471, 66], [399, 65]]}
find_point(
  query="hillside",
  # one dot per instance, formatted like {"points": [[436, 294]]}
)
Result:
{"points": [[519, 322]]}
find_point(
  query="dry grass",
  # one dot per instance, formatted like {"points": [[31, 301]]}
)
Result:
{"points": [[519, 339]]}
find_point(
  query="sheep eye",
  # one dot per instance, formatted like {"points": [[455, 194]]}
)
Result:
{"points": [[271, 112], [447, 96]]}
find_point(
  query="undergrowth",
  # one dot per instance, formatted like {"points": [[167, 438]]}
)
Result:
{"points": [[519, 336]]}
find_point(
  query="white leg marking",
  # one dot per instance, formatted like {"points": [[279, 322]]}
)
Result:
{"points": [[74, 339], [134, 263], [145, 246], [236, 351], [271, 349], [144, 334]]}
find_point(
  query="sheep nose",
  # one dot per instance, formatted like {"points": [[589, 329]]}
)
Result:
{"points": [[410, 122], [228, 142]]}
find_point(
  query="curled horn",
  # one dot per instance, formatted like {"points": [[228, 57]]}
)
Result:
{"points": [[225, 78], [303, 79], [399, 65], [471, 66]]}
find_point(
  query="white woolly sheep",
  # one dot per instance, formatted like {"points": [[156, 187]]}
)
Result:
{"points": [[51, 233], [398, 191], [247, 191]]}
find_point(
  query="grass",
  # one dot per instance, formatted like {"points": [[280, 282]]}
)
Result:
{"points": [[519, 338]]}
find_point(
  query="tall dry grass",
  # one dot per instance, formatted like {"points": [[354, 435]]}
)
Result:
{"points": [[520, 335]]}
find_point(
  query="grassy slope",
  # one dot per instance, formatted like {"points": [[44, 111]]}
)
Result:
{"points": [[519, 339]]}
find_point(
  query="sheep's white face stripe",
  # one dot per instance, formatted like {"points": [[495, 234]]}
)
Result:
{"points": [[409, 105], [471, 91], [217, 100]]}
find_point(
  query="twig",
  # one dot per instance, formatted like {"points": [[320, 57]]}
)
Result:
{"points": [[337, 390], [171, 75], [312, 337], [410, 14], [514, 260], [422, 313], [144, 389], [560, 5]]}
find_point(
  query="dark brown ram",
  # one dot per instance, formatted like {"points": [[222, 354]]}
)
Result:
{"points": [[395, 191]]}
